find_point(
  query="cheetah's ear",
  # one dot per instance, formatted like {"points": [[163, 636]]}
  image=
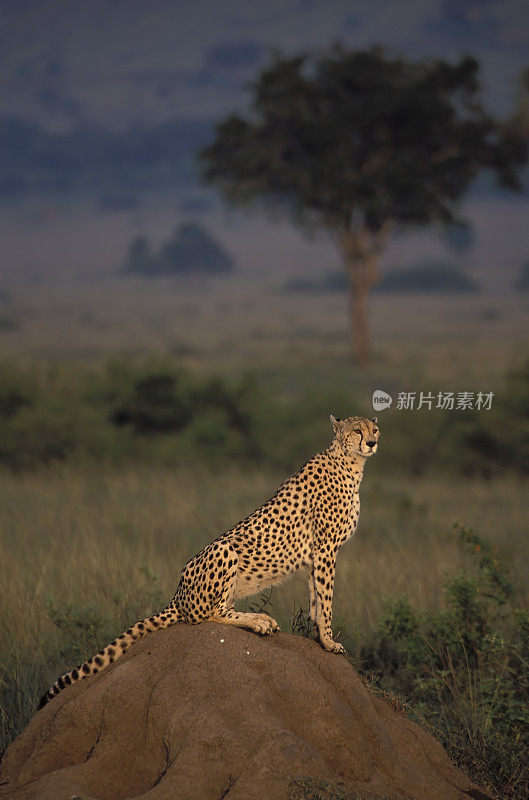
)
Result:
{"points": [[374, 419], [335, 422]]}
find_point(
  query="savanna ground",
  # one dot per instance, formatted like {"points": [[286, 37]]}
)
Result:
{"points": [[91, 540]]}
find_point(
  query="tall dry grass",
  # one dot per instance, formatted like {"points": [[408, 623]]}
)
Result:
{"points": [[115, 541]]}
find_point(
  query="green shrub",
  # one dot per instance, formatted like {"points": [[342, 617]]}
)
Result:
{"points": [[200, 418], [156, 411], [151, 411], [156, 404], [475, 443], [488, 442], [46, 416], [464, 670], [16, 390]]}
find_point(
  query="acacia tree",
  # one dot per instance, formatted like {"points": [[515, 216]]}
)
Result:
{"points": [[356, 143]]}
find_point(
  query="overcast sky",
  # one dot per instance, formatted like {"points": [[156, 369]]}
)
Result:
{"points": [[120, 59]]}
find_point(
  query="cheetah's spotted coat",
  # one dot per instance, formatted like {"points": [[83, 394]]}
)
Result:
{"points": [[303, 525]]}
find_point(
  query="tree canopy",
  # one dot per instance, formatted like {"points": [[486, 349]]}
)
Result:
{"points": [[357, 142], [362, 133]]}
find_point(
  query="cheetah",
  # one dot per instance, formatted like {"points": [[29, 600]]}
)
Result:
{"points": [[302, 526]]}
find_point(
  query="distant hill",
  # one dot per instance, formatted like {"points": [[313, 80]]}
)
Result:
{"points": [[94, 91], [118, 64], [89, 158]]}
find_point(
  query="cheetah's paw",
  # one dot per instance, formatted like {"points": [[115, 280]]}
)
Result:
{"points": [[333, 647], [264, 625]]}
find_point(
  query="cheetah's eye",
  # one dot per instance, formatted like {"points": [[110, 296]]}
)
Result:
{"points": [[357, 430]]}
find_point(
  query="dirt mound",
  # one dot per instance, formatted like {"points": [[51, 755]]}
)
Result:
{"points": [[209, 712]]}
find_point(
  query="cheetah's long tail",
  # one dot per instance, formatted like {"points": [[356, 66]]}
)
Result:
{"points": [[114, 650]]}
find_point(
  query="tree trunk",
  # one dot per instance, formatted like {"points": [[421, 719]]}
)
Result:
{"points": [[358, 317], [359, 254]]}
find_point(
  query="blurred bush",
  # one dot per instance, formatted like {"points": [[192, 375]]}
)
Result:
{"points": [[190, 250], [156, 411], [434, 277], [522, 281], [430, 277]]}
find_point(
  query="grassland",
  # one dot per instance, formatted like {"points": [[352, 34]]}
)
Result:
{"points": [[88, 537], [85, 552], [89, 544], [242, 322]]}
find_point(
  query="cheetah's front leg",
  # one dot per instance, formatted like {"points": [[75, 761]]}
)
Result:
{"points": [[321, 588], [224, 610]]}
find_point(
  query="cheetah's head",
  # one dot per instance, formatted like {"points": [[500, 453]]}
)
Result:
{"points": [[357, 435]]}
